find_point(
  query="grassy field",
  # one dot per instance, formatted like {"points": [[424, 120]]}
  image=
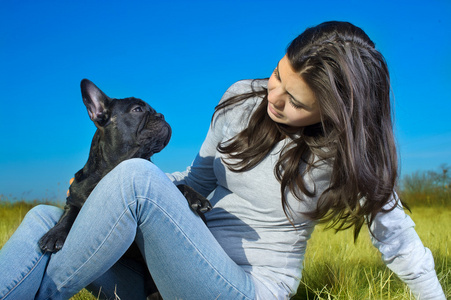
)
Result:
{"points": [[335, 267]]}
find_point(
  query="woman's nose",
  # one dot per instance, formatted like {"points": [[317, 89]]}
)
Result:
{"points": [[275, 98]]}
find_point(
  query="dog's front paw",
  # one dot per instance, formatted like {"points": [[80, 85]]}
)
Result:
{"points": [[197, 202], [53, 240]]}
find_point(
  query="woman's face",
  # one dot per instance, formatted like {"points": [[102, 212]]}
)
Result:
{"points": [[290, 100]]}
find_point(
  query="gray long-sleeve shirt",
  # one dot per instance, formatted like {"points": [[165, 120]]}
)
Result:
{"points": [[248, 221]]}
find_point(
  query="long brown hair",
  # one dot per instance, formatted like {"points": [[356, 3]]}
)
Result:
{"points": [[350, 81]]}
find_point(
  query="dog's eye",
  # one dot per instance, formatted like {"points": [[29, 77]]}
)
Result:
{"points": [[137, 109]]}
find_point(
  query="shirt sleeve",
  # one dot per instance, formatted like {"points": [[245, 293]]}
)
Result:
{"points": [[200, 175], [403, 252]]}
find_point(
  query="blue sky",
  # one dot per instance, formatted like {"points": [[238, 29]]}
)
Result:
{"points": [[180, 56]]}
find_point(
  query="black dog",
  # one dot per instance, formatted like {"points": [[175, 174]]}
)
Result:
{"points": [[126, 128]]}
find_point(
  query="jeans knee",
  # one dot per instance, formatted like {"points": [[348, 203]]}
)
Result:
{"points": [[138, 168], [135, 164], [131, 178], [45, 216], [139, 178]]}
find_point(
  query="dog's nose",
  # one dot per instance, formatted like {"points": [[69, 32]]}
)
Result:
{"points": [[159, 116]]}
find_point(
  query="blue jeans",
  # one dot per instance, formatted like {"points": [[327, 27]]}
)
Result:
{"points": [[134, 202]]}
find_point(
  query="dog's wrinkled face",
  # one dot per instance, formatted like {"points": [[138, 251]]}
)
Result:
{"points": [[130, 125], [150, 132]]}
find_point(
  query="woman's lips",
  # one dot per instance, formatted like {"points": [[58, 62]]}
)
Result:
{"points": [[274, 112]]}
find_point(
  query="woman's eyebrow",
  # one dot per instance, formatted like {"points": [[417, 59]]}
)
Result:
{"points": [[298, 102]]}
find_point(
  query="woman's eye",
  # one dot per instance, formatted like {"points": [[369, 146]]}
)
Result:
{"points": [[295, 105], [137, 109]]}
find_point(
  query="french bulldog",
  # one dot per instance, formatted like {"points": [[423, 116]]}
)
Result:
{"points": [[126, 128]]}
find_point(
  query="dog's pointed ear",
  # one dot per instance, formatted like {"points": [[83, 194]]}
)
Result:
{"points": [[95, 101]]}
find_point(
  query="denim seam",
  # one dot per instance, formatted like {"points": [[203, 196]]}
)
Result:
{"points": [[95, 252], [26, 275], [193, 244]]}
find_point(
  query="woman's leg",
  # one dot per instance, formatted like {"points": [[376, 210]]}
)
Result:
{"points": [[137, 201], [22, 263]]}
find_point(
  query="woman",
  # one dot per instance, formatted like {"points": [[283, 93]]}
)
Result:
{"points": [[312, 143]]}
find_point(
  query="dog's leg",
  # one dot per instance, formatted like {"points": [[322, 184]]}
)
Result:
{"points": [[54, 239], [197, 202]]}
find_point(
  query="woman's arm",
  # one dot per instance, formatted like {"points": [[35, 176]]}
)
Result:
{"points": [[200, 175], [403, 252]]}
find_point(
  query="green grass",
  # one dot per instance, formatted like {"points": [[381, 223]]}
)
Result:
{"points": [[10, 217], [334, 267]]}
